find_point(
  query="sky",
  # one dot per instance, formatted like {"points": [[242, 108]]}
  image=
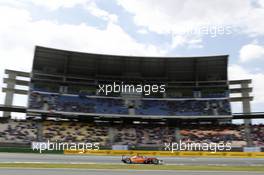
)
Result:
{"points": [[144, 27]]}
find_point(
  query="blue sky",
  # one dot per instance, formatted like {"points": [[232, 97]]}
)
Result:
{"points": [[129, 27]]}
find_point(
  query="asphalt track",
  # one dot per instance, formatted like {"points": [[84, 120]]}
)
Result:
{"points": [[78, 159], [21, 171], [49, 158]]}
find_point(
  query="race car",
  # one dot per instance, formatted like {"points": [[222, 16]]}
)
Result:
{"points": [[141, 160]]}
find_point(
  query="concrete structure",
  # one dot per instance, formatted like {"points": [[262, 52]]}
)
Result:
{"points": [[245, 98], [53, 66], [11, 90]]}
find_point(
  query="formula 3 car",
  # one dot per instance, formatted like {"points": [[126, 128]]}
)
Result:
{"points": [[141, 160]]}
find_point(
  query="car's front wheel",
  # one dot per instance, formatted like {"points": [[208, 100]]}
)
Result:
{"points": [[128, 161]]}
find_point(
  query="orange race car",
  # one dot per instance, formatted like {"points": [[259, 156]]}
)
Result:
{"points": [[141, 160]]}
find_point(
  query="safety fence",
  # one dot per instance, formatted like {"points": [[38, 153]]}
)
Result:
{"points": [[27, 150]]}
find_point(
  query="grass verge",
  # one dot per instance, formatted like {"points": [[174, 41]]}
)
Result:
{"points": [[132, 167]]}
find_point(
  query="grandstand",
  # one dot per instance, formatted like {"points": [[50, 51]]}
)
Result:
{"points": [[65, 105]]}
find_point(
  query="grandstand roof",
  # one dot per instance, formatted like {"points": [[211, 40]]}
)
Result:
{"points": [[89, 65]]}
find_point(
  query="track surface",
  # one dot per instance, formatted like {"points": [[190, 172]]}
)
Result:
{"points": [[17, 171], [48, 158]]}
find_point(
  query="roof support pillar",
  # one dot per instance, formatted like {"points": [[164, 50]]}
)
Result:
{"points": [[246, 109], [9, 93]]}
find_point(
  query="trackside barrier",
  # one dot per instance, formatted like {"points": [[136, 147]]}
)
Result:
{"points": [[27, 150], [239, 154], [258, 155], [168, 153], [190, 154], [89, 152], [213, 154]]}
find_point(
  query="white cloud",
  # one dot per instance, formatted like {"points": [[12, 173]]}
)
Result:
{"points": [[190, 41], [261, 3], [56, 4], [19, 34], [251, 52], [142, 31], [177, 16], [94, 10], [53, 5]]}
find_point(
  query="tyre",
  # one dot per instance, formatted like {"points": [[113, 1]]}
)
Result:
{"points": [[128, 161], [155, 161]]}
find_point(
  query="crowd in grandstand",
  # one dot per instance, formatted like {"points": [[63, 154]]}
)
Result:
{"points": [[22, 131], [184, 107], [74, 132], [143, 135], [87, 104], [257, 133], [71, 103], [214, 134], [132, 134]]}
